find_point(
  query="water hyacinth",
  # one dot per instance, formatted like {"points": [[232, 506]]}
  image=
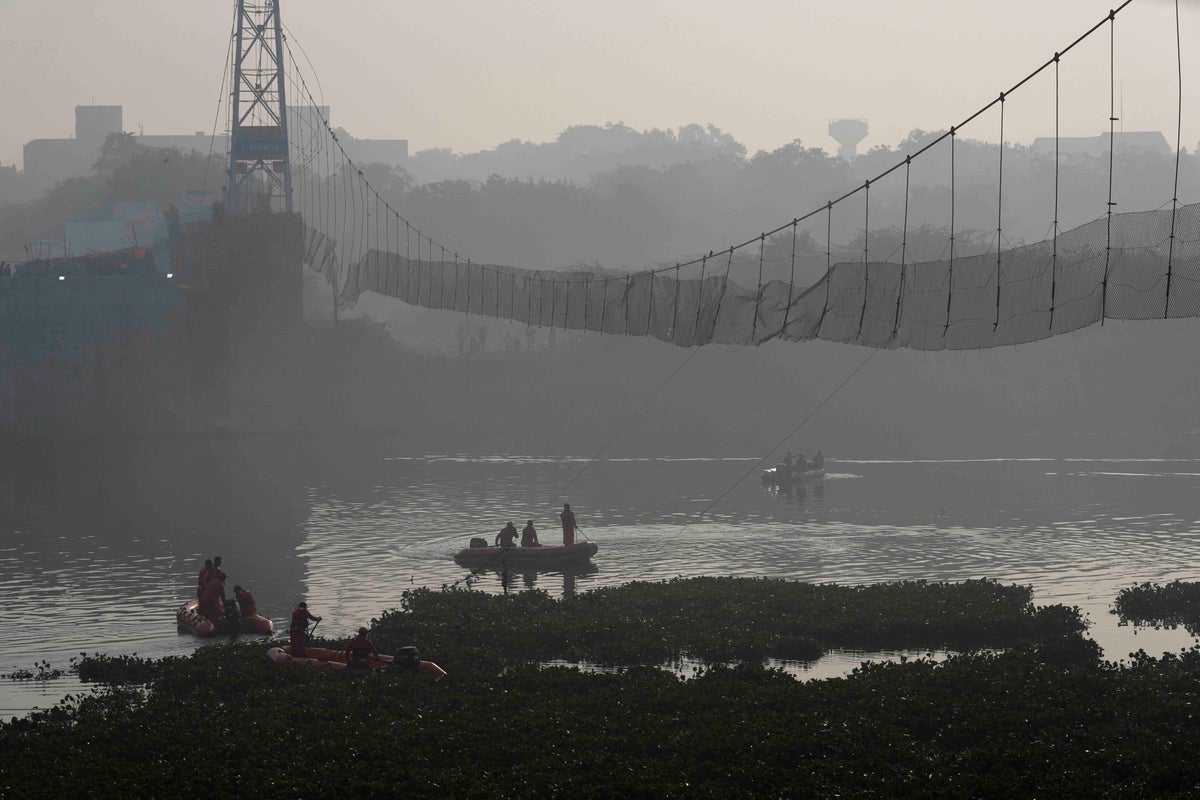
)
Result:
{"points": [[1176, 603], [1044, 717]]}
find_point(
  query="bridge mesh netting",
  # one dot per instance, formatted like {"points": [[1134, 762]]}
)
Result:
{"points": [[1140, 265]]}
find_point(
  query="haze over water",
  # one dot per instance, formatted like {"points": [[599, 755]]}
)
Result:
{"points": [[97, 560]]}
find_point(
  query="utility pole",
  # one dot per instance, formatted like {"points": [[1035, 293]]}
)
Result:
{"points": [[260, 169]]}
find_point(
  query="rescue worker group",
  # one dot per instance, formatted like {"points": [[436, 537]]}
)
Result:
{"points": [[210, 592], [507, 537]]}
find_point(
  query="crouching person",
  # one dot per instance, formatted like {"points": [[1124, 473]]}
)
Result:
{"points": [[360, 649]]}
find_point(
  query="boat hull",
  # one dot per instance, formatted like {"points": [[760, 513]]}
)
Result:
{"points": [[190, 620], [527, 557], [325, 660], [778, 477]]}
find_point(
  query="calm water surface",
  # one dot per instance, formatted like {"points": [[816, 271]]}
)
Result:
{"points": [[97, 549]]}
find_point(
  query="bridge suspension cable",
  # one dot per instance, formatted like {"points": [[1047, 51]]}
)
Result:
{"points": [[1121, 266]]}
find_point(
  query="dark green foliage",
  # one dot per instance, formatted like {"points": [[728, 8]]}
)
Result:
{"points": [[725, 619], [1046, 718], [42, 671], [1176, 603], [117, 670]]}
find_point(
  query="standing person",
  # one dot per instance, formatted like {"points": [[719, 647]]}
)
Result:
{"points": [[212, 599], [359, 649], [203, 578], [298, 632], [529, 536], [507, 537], [568, 523], [818, 461], [217, 572]]}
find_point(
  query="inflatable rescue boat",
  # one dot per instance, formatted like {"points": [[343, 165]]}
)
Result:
{"points": [[192, 621], [480, 555], [326, 660]]}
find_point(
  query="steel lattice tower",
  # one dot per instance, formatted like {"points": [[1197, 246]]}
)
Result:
{"points": [[260, 169]]}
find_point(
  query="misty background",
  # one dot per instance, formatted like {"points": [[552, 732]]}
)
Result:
{"points": [[614, 198]]}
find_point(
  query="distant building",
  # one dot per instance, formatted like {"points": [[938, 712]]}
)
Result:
{"points": [[50, 161], [1143, 141], [93, 124], [848, 133]]}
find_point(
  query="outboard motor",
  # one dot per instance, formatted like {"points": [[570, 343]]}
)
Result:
{"points": [[477, 541], [407, 657]]}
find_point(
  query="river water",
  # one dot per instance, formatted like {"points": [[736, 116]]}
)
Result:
{"points": [[99, 546]]}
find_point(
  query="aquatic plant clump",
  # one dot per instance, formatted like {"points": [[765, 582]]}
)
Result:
{"points": [[41, 671], [721, 620], [1175, 603], [117, 670]]}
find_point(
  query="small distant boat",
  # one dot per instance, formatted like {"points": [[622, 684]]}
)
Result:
{"points": [[779, 476], [192, 621], [480, 555], [326, 660]]}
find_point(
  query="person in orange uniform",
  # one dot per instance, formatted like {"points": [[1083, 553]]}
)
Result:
{"points": [[359, 649], [568, 523], [298, 631], [507, 537], [203, 578], [245, 601], [212, 603]]}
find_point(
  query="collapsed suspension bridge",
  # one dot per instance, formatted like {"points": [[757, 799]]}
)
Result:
{"points": [[1139, 265]]}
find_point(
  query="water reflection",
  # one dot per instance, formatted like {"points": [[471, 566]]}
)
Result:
{"points": [[559, 582]]}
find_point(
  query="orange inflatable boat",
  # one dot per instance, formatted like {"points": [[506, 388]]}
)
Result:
{"points": [[327, 660]]}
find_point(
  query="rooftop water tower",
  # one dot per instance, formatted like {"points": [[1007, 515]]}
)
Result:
{"points": [[848, 133]]}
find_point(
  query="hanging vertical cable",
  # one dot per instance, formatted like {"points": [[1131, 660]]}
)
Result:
{"points": [[700, 296], [1112, 146], [1054, 241], [650, 305], [675, 310], [762, 243], [721, 297], [604, 307], [862, 316], [999, 217], [791, 282], [903, 250], [828, 263], [625, 304], [1178, 151]]}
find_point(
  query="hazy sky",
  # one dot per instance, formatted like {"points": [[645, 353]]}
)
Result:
{"points": [[469, 74]]}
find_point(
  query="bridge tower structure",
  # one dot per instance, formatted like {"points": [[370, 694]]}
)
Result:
{"points": [[260, 169]]}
